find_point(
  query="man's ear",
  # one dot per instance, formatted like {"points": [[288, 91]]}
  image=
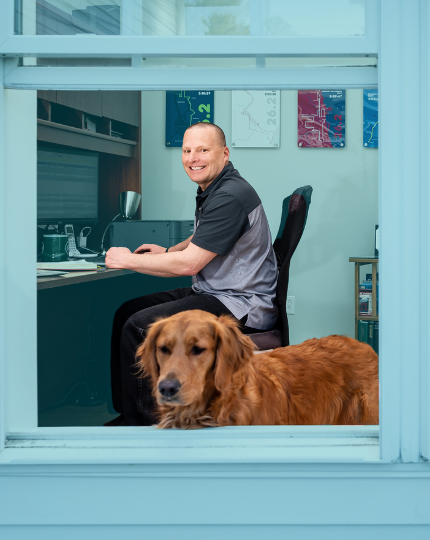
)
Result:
{"points": [[146, 354], [234, 350]]}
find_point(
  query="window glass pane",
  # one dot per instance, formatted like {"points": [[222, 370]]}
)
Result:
{"points": [[337, 18], [118, 141]]}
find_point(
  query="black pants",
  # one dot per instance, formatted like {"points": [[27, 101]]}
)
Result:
{"points": [[131, 395]]}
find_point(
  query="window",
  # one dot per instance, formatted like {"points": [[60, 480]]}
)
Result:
{"points": [[399, 222]]}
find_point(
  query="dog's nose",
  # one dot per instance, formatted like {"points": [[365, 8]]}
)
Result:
{"points": [[169, 387]]}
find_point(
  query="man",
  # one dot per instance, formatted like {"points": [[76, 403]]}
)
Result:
{"points": [[230, 257]]}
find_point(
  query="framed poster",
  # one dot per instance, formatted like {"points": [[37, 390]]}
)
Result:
{"points": [[256, 118], [370, 118], [185, 108], [321, 119]]}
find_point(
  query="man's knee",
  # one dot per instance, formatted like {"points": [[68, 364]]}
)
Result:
{"points": [[132, 329], [122, 314]]}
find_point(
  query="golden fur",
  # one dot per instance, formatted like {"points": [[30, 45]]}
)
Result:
{"points": [[332, 380]]}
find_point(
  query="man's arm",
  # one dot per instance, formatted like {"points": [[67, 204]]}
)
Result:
{"points": [[153, 248], [187, 262], [181, 246]]}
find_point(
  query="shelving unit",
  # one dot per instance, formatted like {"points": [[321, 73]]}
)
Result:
{"points": [[84, 305], [53, 132], [61, 121], [359, 262]]}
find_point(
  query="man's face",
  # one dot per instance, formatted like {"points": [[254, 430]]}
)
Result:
{"points": [[202, 156]]}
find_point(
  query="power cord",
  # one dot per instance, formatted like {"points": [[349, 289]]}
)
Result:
{"points": [[82, 241]]}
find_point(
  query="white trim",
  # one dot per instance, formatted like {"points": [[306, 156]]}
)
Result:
{"points": [[410, 344], [403, 246], [181, 46], [2, 266], [390, 153], [256, 444], [425, 224], [171, 79]]}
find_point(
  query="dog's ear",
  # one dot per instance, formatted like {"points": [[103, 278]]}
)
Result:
{"points": [[234, 350], [146, 354]]}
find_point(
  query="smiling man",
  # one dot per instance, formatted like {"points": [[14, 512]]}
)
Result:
{"points": [[230, 257]]}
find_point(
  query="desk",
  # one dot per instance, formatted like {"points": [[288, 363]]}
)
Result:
{"points": [[75, 278], [74, 323]]}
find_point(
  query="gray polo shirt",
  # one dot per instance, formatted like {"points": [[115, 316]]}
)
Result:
{"points": [[231, 222]]}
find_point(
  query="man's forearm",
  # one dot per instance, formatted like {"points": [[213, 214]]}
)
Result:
{"points": [[187, 262], [181, 246], [162, 265]]}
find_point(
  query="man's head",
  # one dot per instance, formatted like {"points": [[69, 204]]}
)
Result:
{"points": [[204, 153]]}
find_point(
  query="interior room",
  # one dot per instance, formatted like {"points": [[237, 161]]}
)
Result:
{"points": [[126, 134]]}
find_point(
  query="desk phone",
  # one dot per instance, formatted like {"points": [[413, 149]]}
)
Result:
{"points": [[72, 249]]}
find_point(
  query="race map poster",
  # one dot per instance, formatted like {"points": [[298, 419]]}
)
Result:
{"points": [[185, 108], [370, 118], [256, 118], [321, 119]]}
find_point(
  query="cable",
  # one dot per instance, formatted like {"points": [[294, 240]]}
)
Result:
{"points": [[87, 249]]}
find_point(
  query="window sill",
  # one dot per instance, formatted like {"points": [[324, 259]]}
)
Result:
{"points": [[229, 445]]}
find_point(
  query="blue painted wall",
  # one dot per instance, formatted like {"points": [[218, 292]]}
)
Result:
{"points": [[342, 215]]}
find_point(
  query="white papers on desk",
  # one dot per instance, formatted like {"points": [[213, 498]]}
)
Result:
{"points": [[68, 266]]}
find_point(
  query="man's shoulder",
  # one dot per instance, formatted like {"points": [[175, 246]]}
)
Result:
{"points": [[233, 184]]}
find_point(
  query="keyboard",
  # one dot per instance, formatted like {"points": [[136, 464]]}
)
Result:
{"points": [[79, 266]]}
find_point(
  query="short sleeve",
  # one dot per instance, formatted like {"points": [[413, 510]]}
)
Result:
{"points": [[221, 224]]}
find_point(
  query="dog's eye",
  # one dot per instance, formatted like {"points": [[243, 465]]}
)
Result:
{"points": [[196, 350], [164, 350]]}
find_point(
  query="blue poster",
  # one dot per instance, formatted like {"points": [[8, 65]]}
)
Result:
{"points": [[185, 108], [370, 118], [321, 119]]}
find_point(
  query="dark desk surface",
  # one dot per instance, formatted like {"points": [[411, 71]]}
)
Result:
{"points": [[72, 278]]}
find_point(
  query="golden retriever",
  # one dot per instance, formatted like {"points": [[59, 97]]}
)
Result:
{"points": [[204, 374]]}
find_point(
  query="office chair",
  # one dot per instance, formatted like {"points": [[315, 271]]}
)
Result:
{"points": [[293, 220]]}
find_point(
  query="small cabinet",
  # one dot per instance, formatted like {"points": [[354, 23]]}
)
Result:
{"points": [[372, 335], [87, 102], [122, 107]]}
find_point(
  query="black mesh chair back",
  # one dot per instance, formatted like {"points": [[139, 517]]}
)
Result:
{"points": [[293, 220]]}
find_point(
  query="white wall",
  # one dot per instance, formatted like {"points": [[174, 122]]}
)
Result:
{"points": [[342, 215]]}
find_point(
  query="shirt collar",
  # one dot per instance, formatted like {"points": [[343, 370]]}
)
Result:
{"points": [[202, 194]]}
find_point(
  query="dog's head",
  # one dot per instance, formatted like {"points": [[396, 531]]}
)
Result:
{"points": [[191, 353]]}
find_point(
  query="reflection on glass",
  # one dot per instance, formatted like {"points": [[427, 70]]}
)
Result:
{"points": [[315, 18], [221, 62]]}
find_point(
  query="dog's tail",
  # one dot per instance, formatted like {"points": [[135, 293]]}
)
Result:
{"points": [[362, 408]]}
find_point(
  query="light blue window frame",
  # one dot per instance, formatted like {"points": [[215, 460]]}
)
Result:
{"points": [[396, 33]]}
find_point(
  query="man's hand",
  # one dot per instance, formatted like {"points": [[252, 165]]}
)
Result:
{"points": [[150, 248], [117, 257]]}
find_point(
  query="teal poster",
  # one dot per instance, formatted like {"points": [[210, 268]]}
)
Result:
{"points": [[185, 108], [370, 118]]}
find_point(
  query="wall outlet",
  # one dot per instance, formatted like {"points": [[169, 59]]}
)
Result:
{"points": [[291, 300]]}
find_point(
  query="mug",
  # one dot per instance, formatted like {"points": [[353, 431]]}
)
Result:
{"points": [[54, 248]]}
